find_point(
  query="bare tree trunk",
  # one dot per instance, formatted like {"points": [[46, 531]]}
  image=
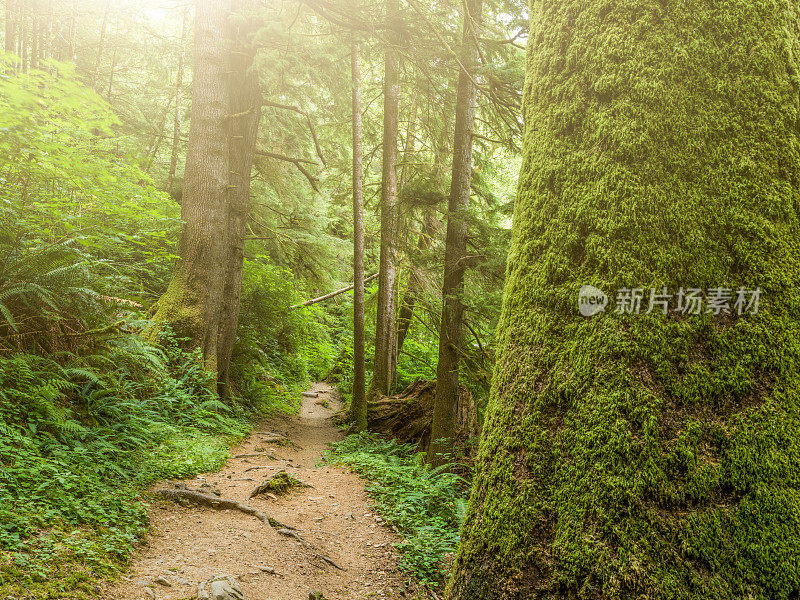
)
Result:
{"points": [[73, 22], [358, 407], [101, 46], [23, 38], [201, 303], [445, 408], [111, 74], [385, 343], [10, 26], [176, 130], [152, 151], [414, 291]]}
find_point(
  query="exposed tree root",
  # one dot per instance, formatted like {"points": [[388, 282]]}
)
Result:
{"points": [[407, 416], [221, 503], [311, 549], [277, 483]]}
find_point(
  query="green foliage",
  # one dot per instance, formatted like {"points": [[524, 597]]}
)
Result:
{"points": [[426, 506], [78, 441], [66, 183], [278, 350]]}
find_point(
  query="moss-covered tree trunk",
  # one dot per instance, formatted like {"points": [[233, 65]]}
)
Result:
{"points": [[201, 304], [648, 456]]}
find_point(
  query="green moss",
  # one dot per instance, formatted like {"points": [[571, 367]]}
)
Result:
{"points": [[647, 456], [179, 308]]}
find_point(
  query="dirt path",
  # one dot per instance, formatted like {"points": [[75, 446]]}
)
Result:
{"points": [[192, 544]]}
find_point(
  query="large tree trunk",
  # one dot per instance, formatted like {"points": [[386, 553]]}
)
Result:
{"points": [[648, 455], [385, 342], [358, 406], [242, 123], [447, 369], [202, 301], [176, 125]]}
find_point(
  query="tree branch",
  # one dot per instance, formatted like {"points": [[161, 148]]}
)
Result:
{"points": [[332, 294]]}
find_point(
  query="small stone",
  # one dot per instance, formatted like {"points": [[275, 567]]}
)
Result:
{"points": [[220, 588], [163, 581]]}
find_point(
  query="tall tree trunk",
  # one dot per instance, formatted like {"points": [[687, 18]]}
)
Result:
{"points": [[358, 407], [152, 152], [176, 129], [651, 455], [201, 303], [10, 26], [445, 408], [414, 291], [24, 32], [101, 46], [385, 342], [34, 57], [406, 309], [73, 24], [111, 73], [245, 113]]}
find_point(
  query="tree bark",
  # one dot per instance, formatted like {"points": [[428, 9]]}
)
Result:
{"points": [[358, 407], [243, 117], [445, 407], [385, 342], [651, 455], [176, 129], [201, 304], [101, 46], [10, 26], [414, 291]]}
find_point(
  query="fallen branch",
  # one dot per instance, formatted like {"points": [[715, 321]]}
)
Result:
{"points": [[332, 294], [311, 394], [295, 535], [222, 503]]}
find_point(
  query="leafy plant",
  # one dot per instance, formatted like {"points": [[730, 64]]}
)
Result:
{"points": [[425, 505]]}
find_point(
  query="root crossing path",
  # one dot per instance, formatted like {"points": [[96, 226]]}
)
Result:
{"points": [[191, 542]]}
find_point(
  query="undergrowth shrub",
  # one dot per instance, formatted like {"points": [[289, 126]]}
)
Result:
{"points": [[278, 351], [79, 438], [425, 505]]}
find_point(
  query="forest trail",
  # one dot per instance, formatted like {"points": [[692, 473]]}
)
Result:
{"points": [[190, 544]]}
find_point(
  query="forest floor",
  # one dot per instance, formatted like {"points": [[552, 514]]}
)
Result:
{"points": [[189, 544]]}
